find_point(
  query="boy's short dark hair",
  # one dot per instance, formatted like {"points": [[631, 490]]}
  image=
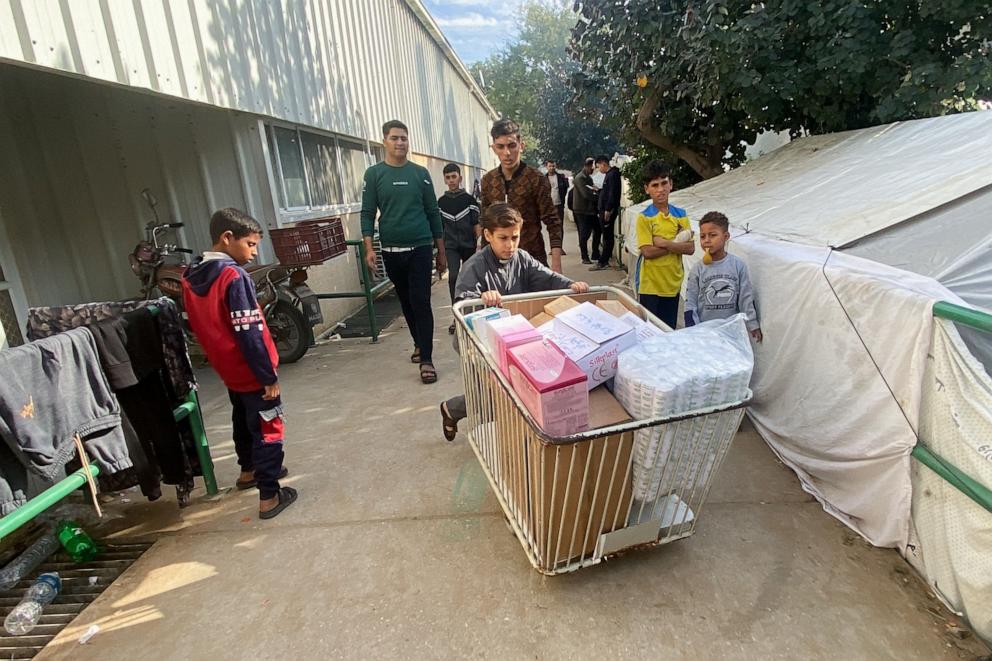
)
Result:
{"points": [[235, 221], [602, 158], [393, 124], [655, 170], [503, 127], [500, 215], [451, 167], [715, 218]]}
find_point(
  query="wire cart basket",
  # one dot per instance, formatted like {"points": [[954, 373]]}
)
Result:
{"points": [[574, 501]]}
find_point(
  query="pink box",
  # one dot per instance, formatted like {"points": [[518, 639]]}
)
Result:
{"points": [[504, 334], [552, 387]]}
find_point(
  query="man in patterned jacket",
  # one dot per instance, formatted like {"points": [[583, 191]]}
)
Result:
{"points": [[525, 189]]}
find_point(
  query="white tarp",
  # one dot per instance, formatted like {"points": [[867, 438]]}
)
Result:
{"points": [[840, 384]]}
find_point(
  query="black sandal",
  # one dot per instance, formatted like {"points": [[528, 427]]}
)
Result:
{"points": [[449, 426], [250, 484], [451, 328], [415, 356], [427, 373], [287, 496]]}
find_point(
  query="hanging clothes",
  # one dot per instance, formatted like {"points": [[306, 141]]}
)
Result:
{"points": [[46, 321], [50, 391]]}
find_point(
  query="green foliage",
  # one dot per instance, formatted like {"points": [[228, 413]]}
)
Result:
{"points": [[682, 175], [721, 71], [528, 81]]}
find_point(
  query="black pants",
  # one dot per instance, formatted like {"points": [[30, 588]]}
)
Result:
{"points": [[455, 258], [665, 308], [258, 438], [410, 273], [588, 226], [608, 240]]}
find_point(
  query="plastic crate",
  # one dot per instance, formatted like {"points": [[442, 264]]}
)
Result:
{"points": [[309, 242]]}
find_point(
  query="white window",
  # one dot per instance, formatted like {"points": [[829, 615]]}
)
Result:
{"points": [[315, 171]]}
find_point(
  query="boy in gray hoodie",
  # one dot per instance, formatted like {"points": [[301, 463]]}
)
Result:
{"points": [[718, 286]]}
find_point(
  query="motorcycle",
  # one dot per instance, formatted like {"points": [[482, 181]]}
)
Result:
{"points": [[291, 309]]}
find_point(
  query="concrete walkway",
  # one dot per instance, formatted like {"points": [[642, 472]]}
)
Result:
{"points": [[397, 549]]}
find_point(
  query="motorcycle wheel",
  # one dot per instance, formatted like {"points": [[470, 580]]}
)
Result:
{"points": [[289, 331]]}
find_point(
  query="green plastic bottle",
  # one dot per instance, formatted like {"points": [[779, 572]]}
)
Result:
{"points": [[76, 542]]}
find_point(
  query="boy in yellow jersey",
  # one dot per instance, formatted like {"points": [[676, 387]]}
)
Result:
{"points": [[659, 271]]}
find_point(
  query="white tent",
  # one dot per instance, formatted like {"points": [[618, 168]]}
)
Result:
{"points": [[850, 239]]}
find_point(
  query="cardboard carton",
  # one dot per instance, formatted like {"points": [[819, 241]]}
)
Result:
{"points": [[642, 329], [593, 322], [616, 308], [559, 305], [598, 361], [605, 410], [541, 319], [476, 321], [551, 386]]}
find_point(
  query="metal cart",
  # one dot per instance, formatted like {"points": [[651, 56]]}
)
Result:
{"points": [[574, 501]]}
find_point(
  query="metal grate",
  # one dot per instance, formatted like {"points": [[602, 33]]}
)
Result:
{"points": [[77, 594]]}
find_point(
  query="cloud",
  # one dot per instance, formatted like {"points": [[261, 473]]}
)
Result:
{"points": [[468, 21]]}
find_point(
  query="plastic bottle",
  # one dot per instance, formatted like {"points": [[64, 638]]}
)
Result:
{"points": [[76, 542], [26, 614]]}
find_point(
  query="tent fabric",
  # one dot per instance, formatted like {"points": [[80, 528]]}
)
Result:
{"points": [[955, 533], [831, 190]]}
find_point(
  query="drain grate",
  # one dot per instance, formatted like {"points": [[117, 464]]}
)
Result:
{"points": [[77, 593]]}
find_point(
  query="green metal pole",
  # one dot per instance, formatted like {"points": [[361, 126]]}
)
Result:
{"points": [[191, 409], [367, 286], [962, 482], [962, 315], [44, 500]]}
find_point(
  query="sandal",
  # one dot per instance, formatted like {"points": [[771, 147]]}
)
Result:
{"points": [[415, 356], [427, 373], [287, 496], [250, 484], [448, 424], [451, 328]]}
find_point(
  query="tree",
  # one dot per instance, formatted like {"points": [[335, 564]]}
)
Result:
{"points": [[715, 73], [528, 81]]}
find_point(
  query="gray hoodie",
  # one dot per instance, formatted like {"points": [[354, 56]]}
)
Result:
{"points": [[50, 391], [521, 274]]}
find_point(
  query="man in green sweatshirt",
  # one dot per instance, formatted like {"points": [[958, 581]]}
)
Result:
{"points": [[409, 227]]}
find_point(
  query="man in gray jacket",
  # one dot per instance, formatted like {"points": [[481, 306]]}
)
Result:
{"points": [[584, 206]]}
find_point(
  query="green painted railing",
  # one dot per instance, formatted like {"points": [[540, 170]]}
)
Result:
{"points": [[369, 291], [955, 476]]}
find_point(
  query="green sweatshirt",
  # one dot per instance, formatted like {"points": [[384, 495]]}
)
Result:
{"points": [[407, 205]]}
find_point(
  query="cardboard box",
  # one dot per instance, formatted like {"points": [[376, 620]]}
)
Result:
{"points": [[605, 410], [551, 386], [540, 319], [503, 334], [598, 361], [616, 308], [559, 305], [591, 507], [642, 329], [595, 323]]}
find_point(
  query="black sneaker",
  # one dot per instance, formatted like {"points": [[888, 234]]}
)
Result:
{"points": [[599, 267], [587, 261]]}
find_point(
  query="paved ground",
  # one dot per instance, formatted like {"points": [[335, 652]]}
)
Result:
{"points": [[397, 549]]}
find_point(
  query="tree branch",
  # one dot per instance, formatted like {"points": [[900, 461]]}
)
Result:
{"points": [[645, 124]]}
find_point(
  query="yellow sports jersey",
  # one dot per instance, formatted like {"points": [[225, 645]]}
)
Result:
{"points": [[661, 276]]}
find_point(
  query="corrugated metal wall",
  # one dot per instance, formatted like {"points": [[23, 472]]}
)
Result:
{"points": [[75, 157], [340, 65]]}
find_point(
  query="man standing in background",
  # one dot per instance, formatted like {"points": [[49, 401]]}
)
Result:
{"points": [[460, 217], [585, 209], [409, 228], [525, 189], [609, 208]]}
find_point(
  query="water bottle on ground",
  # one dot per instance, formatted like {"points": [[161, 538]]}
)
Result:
{"points": [[76, 542], [26, 614]]}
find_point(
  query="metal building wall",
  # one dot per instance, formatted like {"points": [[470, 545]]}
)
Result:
{"points": [[339, 65], [75, 157]]}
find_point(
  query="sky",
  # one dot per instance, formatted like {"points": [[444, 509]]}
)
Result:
{"points": [[475, 28]]}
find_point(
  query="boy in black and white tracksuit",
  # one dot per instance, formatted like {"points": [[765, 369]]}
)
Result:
{"points": [[460, 217]]}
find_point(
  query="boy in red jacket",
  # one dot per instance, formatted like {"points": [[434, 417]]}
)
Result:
{"points": [[225, 317]]}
